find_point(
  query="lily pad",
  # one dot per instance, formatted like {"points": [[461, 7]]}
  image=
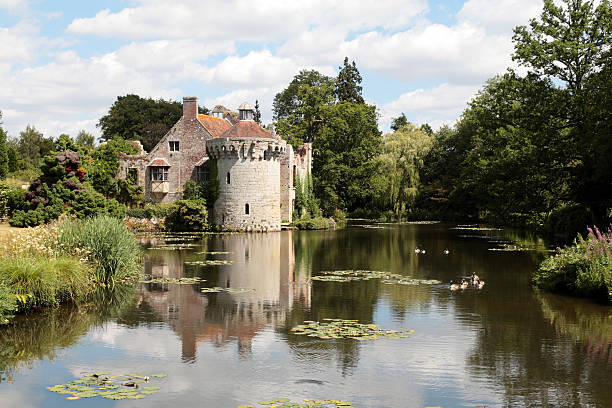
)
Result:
{"points": [[177, 281], [116, 387], [352, 329], [307, 403], [218, 289], [360, 275], [209, 262]]}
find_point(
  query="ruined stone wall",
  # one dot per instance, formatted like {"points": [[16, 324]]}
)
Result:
{"points": [[253, 165], [303, 160], [192, 136], [287, 190]]}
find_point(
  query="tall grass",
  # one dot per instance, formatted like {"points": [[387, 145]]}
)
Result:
{"points": [[46, 282], [583, 269], [112, 249]]}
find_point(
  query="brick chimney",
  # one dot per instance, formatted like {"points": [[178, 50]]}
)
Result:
{"points": [[190, 107]]}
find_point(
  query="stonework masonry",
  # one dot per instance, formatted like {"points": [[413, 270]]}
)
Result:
{"points": [[256, 169]]}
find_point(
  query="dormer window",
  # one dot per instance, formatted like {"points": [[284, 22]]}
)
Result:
{"points": [[246, 112], [174, 146]]}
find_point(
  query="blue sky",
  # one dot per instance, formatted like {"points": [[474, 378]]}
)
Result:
{"points": [[63, 63]]}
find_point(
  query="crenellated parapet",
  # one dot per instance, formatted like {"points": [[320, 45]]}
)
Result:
{"points": [[246, 148]]}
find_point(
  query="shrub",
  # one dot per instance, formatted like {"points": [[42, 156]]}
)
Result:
{"points": [[583, 269], [194, 190], [11, 199], [315, 223], [89, 203], [187, 215], [139, 213], [8, 303], [113, 250]]}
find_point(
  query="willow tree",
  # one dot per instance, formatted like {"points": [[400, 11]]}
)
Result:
{"points": [[399, 167]]}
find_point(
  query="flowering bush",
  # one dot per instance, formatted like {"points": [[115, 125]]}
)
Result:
{"points": [[583, 269]]}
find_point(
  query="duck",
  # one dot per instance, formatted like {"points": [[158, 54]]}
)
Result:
{"points": [[446, 251], [464, 284], [480, 284], [454, 286], [417, 251], [475, 278], [422, 251]]}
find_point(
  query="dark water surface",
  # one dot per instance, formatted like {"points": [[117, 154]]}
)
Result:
{"points": [[504, 345]]}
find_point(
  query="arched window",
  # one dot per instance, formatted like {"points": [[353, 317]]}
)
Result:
{"points": [[228, 177], [246, 209]]}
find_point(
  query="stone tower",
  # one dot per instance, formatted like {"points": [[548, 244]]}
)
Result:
{"points": [[249, 171]]}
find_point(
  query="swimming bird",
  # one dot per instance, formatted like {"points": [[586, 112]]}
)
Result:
{"points": [[422, 251], [480, 284], [417, 251], [454, 286], [464, 284], [475, 278], [446, 251]]}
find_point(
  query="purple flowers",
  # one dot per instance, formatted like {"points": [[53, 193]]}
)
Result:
{"points": [[598, 244]]}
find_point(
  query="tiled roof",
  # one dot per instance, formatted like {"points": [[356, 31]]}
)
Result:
{"points": [[215, 126], [246, 128], [159, 162]]}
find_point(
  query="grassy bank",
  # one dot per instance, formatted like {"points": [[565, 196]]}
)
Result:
{"points": [[583, 269], [63, 262]]}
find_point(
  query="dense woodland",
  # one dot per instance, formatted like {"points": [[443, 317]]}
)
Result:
{"points": [[533, 149]]}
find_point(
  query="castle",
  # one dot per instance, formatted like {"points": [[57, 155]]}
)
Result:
{"points": [[256, 168]]}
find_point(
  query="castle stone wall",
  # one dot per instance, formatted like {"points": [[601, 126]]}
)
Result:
{"points": [[253, 165]]}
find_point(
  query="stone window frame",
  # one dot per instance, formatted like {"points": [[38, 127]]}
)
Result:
{"points": [[228, 178], [173, 145], [132, 175], [202, 173], [247, 209], [159, 173]]}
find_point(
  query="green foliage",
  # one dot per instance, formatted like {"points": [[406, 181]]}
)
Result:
{"points": [[112, 249], [149, 211], [48, 281], [134, 118], [344, 156], [187, 215], [347, 84], [8, 303], [11, 199], [212, 186], [89, 203], [399, 122], [583, 269], [397, 179], [85, 139], [4, 159], [12, 163], [298, 108], [314, 223], [194, 190], [300, 202], [32, 146], [103, 167]]}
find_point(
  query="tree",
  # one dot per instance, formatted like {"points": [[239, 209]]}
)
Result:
{"points": [[399, 122], [400, 163], [130, 116], [13, 165], [348, 88], [570, 42], [32, 146], [298, 108], [4, 159], [65, 142], [85, 139], [257, 112], [343, 156]]}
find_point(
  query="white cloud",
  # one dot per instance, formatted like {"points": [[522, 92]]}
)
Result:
{"points": [[243, 20], [23, 35], [441, 105], [499, 16]]}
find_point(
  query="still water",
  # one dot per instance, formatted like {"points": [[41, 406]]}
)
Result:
{"points": [[504, 345]]}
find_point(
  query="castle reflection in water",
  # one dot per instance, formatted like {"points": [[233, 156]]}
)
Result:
{"points": [[263, 262]]}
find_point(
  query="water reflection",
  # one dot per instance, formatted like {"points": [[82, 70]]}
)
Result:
{"points": [[263, 262]]}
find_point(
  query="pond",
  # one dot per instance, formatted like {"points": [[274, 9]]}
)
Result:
{"points": [[502, 345]]}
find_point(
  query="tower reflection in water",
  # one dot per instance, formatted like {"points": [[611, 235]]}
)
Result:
{"points": [[263, 262]]}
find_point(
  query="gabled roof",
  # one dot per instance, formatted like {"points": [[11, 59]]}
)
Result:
{"points": [[215, 126], [159, 162], [246, 128]]}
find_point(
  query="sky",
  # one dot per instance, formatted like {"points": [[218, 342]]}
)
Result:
{"points": [[63, 63]]}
